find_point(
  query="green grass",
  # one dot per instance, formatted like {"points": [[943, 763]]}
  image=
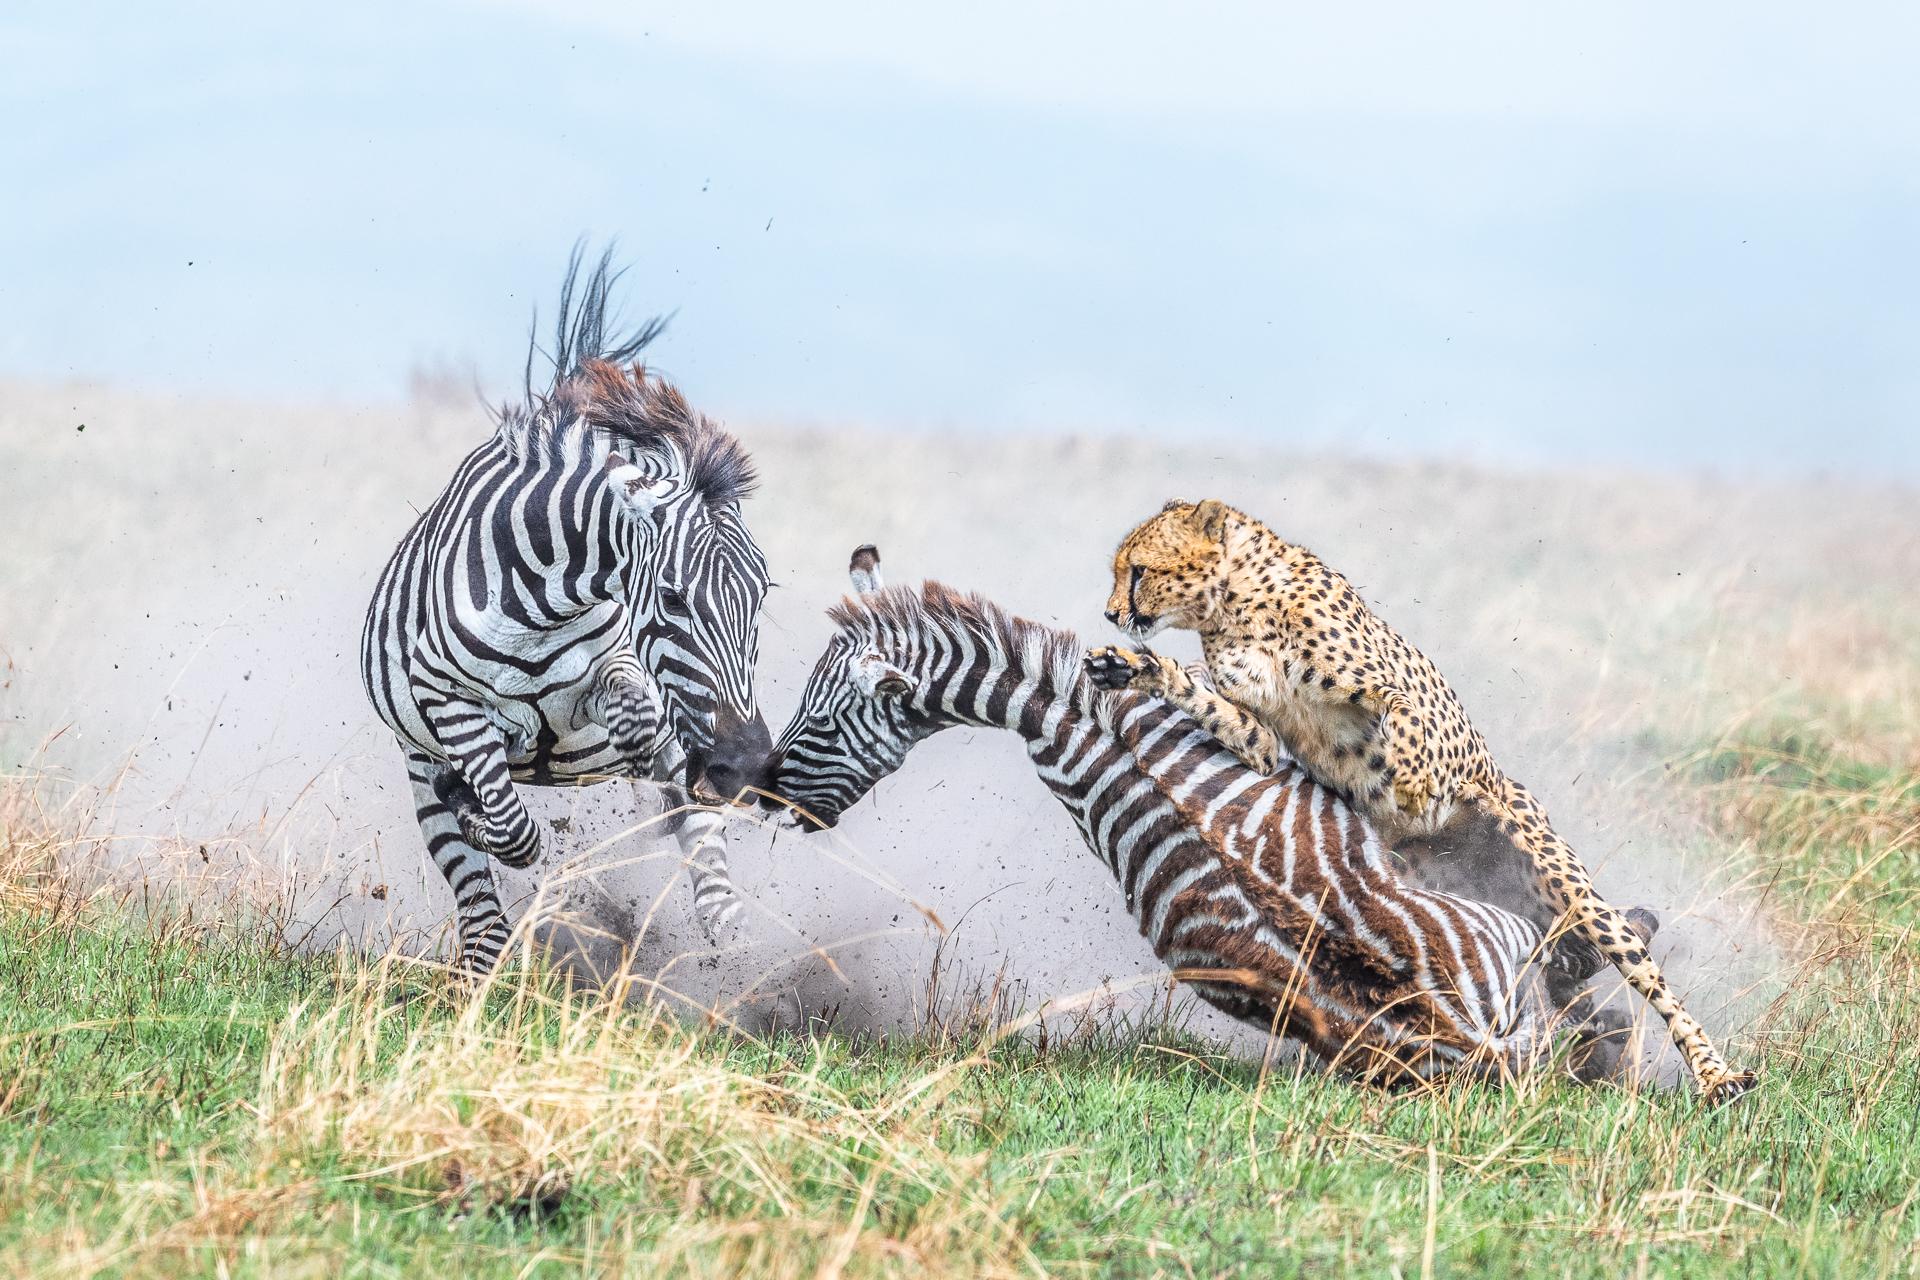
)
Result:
{"points": [[173, 1102], [1840, 835]]}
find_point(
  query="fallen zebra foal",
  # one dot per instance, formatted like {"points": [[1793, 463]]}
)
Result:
{"points": [[1267, 894]]}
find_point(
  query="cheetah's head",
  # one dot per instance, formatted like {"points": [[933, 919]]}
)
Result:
{"points": [[1168, 571]]}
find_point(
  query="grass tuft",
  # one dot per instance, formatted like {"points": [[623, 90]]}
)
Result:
{"points": [[1838, 830], [544, 1103]]}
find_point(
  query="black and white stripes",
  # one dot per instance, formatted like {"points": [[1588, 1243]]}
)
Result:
{"points": [[1268, 894], [580, 603]]}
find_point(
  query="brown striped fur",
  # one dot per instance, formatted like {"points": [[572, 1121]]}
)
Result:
{"points": [[1270, 895]]}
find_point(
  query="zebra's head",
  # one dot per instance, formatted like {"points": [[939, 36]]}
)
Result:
{"points": [[859, 716], [660, 489], [695, 583]]}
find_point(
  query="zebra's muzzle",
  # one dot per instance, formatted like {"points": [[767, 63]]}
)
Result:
{"points": [[739, 762]]}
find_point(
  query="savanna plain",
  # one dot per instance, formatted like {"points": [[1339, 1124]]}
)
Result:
{"points": [[226, 1046]]}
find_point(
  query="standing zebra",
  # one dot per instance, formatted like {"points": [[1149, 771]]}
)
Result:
{"points": [[581, 603], [1269, 894]]}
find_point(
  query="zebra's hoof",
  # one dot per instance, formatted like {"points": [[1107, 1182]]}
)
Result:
{"points": [[721, 927], [465, 808], [1599, 1043], [473, 823], [518, 851], [1643, 922]]}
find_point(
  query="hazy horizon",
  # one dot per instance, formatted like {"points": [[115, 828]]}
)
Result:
{"points": [[1633, 237]]}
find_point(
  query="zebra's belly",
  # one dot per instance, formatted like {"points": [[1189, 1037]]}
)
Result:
{"points": [[1245, 963], [544, 718]]}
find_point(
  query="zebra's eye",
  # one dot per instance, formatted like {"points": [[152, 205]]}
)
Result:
{"points": [[673, 600]]}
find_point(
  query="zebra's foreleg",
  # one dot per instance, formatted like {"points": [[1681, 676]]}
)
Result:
{"points": [[702, 837], [482, 798], [626, 702], [480, 920]]}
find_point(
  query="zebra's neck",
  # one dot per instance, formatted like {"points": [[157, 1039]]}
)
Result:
{"points": [[1092, 749], [973, 679], [1141, 779], [1114, 788]]}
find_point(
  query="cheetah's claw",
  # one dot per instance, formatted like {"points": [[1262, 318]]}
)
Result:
{"points": [[1413, 797], [1728, 1087]]}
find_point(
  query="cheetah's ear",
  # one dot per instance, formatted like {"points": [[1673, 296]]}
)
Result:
{"points": [[1210, 518], [1174, 504]]}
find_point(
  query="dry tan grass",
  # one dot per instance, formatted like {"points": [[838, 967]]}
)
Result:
{"points": [[36, 876], [61, 862], [515, 1098], [531, 1093]]}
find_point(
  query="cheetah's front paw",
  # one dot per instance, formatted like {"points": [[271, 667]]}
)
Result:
{"points": [[1413, 795], [1112, 667]]}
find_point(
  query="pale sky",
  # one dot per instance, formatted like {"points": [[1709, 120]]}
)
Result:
{"points": [[1624, 234]]}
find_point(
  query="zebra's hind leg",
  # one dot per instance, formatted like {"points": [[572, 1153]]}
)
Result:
{"points": [[478, 916], [482, 798], [1572, 960]]}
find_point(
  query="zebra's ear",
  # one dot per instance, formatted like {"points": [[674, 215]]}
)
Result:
{"points": [[874, 676], [864, 570], [639, 494]]}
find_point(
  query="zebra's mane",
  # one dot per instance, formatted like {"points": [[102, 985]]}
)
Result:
{"points": [[598, 384], [904, 611]]}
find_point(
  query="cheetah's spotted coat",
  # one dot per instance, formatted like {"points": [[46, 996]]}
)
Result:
{"points": [[1303, 668]]}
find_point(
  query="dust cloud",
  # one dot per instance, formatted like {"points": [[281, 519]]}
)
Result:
{"points": [[183, 580]]}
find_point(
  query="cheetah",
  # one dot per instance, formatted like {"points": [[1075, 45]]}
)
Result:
{"points": [[1301, 668]]}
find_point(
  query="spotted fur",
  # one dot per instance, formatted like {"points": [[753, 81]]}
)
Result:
{"points": [[1302, 669]]}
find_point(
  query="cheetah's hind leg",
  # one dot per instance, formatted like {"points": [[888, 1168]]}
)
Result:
{"points": [[1564, 882], [1572, 961]]}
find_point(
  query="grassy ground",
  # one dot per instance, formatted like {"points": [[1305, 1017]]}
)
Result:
{"points": [[178, 1098]]}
